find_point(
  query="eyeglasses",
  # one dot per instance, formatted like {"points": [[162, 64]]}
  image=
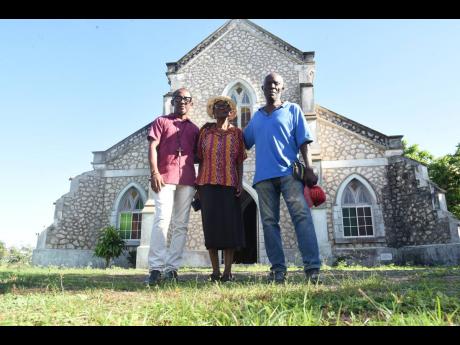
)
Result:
{"points": [[222, 106], [186, 100]]}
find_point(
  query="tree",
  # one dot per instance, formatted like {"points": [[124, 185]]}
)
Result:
{"points": [[109, 245], [21, 255], [445, 172], [414, 152], [3, 250]]}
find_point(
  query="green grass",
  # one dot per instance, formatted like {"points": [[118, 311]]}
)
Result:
{"points": [[386, 295]]}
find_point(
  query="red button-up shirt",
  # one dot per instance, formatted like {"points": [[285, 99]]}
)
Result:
{"points": [[173, 134]]}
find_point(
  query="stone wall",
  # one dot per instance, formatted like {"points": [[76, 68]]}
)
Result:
{"points": [[89, 206], [343, 122], [80, 214], [409, 211], [133, 154], [119, 150], [113, 187], [332, 180], [87, 210], [239, 54], [339, 144]]}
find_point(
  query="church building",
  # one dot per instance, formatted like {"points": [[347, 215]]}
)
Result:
{"points": [[381, 207]]}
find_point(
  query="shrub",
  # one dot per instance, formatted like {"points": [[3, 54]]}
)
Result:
{"points": [[340, 262], [109, 245], [14, 255], [132, 255]]}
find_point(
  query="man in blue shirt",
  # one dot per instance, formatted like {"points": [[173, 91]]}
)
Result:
{"points": [[279, 130]]}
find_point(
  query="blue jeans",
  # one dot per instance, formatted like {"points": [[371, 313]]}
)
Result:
{"points": [[269, 203]]}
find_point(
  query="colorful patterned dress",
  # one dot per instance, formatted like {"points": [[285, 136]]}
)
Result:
{"points": [[220, 153]]}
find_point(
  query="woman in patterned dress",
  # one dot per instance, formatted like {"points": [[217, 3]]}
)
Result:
{"points": [[221, 153]]}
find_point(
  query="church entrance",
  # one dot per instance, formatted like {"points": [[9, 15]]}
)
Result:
{"points": [[248, 255]]}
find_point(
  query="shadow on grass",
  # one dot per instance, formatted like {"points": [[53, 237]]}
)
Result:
{"points": [[345, 297], [23, 282]]}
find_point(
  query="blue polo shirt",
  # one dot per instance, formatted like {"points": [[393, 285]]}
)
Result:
{"points": [[278, 137]]}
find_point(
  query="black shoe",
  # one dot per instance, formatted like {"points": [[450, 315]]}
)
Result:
{"points": [[171, 276], [214, 277], [227, 278], [312, 275], [154, 277], [277, 277]]}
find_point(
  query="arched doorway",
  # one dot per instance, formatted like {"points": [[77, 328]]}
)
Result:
{"points": [[248, 255]]}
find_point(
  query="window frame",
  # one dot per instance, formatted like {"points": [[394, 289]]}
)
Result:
{"points": [[356, 206], [355, 194], [378, 226], [123, 210], [238, 99]]}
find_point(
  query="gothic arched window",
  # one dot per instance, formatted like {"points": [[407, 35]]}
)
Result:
{"points": [[241, 97], [357, 210], [130, 216]]}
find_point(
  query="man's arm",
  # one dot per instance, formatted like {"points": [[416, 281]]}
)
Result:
{"points": [[310, 178], [248, 136], [156, 181]]}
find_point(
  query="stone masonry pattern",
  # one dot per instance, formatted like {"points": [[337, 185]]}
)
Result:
{"points": [[332, 180], [131, 153], [351, 125], [409, 214], [82, 215], [337, 144]]}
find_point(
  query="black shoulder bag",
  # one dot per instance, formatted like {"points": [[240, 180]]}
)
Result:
{"points": [[298, 171]]}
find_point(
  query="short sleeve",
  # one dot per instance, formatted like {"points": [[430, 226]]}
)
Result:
{"points": [[302, 131], [155, 130]]}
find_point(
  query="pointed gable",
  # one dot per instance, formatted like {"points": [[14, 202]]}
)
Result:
{"points": [[280, 45]]}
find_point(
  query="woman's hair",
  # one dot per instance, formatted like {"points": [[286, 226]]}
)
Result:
{"points": [[212, 101]]}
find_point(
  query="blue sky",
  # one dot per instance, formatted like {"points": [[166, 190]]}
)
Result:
{"points": [[70, 87]]}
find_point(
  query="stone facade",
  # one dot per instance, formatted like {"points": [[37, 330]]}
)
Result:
{"points": [[241, 53], [338, 143], [132, 153], [352, 126], [76, 217], [410, 214]]}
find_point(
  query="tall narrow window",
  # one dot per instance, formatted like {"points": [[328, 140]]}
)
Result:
{"points": [[240, 96], [130, 216], [357, 210]]}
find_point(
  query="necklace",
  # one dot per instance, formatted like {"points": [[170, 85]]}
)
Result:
{"points": [[178, 136]]}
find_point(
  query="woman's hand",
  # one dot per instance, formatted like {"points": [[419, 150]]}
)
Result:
{"points": [[239, 190]]}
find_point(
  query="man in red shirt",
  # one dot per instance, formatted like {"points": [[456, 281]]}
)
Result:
{"points": [[172, 145]]}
